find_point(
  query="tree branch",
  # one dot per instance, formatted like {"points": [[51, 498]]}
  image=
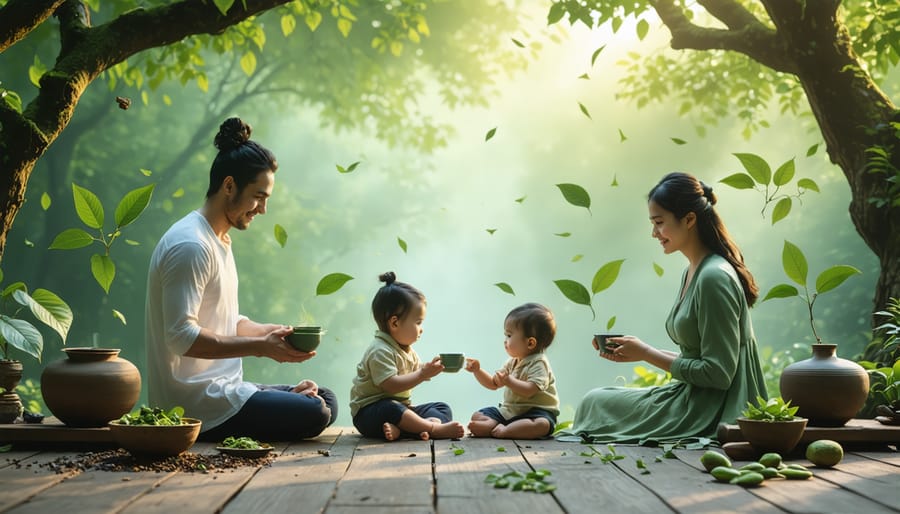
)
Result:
{"points": [[731, 13], [752, 39], [19, 17]]}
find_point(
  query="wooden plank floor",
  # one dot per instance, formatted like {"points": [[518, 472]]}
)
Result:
{"points": [[340, 472]]}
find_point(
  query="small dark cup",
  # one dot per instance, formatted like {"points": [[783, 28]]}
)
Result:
{"points": [[305, 339], [606, 346], [453, 362]]}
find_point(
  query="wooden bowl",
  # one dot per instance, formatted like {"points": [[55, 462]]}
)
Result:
{"points": [[772, 436], [156, 440]]}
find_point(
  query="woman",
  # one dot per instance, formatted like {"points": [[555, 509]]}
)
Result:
{"points": [[718, 368]]}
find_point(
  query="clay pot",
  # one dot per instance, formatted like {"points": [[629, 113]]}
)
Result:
{"points": [[10, 374], [90, 388], [772, 436], [10, 407], [827, 390]]}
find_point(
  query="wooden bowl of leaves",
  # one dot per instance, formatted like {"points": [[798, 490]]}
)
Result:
{"points": [[771, 426], [244, 447], [153, 432]]}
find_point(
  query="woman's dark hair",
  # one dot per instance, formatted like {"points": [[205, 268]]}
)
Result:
{"points": [[238, 157], [681, 193], [536, 321], [394, 299]]}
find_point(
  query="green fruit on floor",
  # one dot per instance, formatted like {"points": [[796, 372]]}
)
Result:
{"points": [[770, 460], [753, 466], [724, 473], [711, 459], [770, 473], [824, 453], [795, 474], [748, 479]]}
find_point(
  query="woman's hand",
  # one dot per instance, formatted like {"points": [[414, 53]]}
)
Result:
{"points": [[629, 349], [307, 387]]}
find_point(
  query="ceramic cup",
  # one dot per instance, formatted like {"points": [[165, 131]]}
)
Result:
{"points": [[305, 339], [453, 362], [604, 345]]}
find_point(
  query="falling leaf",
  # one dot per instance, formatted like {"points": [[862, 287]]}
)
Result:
{"points": [[518, 43], [812, 150], [678, 141], [575, 292], [622, 137], [611, 322], [596, 53], [521, 199], [563, 234], [606, 275], [402, 244], [658, 269], [642, 28], [584, 110], [584, 76], [490, 134], [178, 193], [348, 169], [146, 173], [490, 230], [280, 235], [29, 244], [615, 182], [576, 195], [121, 317], [331, 283], [132, 242], [506, 288], [45, 201], [577, 258]]}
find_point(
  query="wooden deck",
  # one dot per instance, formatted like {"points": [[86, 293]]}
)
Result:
{"points": [[341, 472]]}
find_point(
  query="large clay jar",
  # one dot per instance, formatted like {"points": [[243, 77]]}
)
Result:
{"points": [[90, 388], [827, 390]]}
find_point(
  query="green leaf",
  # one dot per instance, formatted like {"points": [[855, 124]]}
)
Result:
{"points": [[313, 19], [575, 195], [577, 257], [756, 166], [584, 76], [584, 110], [248, 63], [784, 173], [812, 150], [517, 43], [348, 169], [402, 244], [781, 210], [71, 239], [781, 291], [521, 199], [575, 292], [223, 5], [104, 270], [678, 141], [596, 53], [281, 235], [506, 288], [288, 24], [119, 316], [45, 201], [36, 71], [490, 134], [739, 181], [622, 137], [49, 308], [146, 172], [331, 283], [11, 99], [557, 10], [22, 335], [490, 230], [834, 276], [642, 28], [615, 181], [344, 25], [808, 183], [658, 269], [611, 322], [88, 207], [794, 263], [133, 204], [606, 275], [563, 234]]}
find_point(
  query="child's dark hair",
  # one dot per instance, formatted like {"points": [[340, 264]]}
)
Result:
{"points": [[536, 321], [393, 299]]}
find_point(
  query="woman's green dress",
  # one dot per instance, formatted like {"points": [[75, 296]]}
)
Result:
{"points": [[716, 374]]}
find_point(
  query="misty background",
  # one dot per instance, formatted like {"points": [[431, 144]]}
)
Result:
{"points": [[472, 214]]}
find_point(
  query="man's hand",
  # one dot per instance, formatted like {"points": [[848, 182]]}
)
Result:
{"points": [[307, 387]]}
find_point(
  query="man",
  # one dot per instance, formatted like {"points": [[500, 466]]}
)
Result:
{"points": [[195, 334]]}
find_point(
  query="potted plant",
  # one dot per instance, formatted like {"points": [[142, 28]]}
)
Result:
{"points": [[881, 360], [771, 425], [20, 334], [828, 390]]}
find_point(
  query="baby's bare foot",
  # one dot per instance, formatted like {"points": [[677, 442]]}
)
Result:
{"points": [[481, 428], [424, 436], [449, 430], [391, 431], [499, 431]]}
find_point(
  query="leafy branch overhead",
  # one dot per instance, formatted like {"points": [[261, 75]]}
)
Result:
{"points": [[759, 176]]}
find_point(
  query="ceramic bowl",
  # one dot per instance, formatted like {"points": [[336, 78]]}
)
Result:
{"points": [[453, 362], [601, 341], [156, 440], [305, 339], [772, 436]]}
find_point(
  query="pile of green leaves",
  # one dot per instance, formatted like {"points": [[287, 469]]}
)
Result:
{"points": [[154, 416], [516, 481], [243, 443], [773, 409]]}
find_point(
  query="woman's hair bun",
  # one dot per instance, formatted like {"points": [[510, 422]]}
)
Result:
{"points": [[388, 278], [233, 132]]}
